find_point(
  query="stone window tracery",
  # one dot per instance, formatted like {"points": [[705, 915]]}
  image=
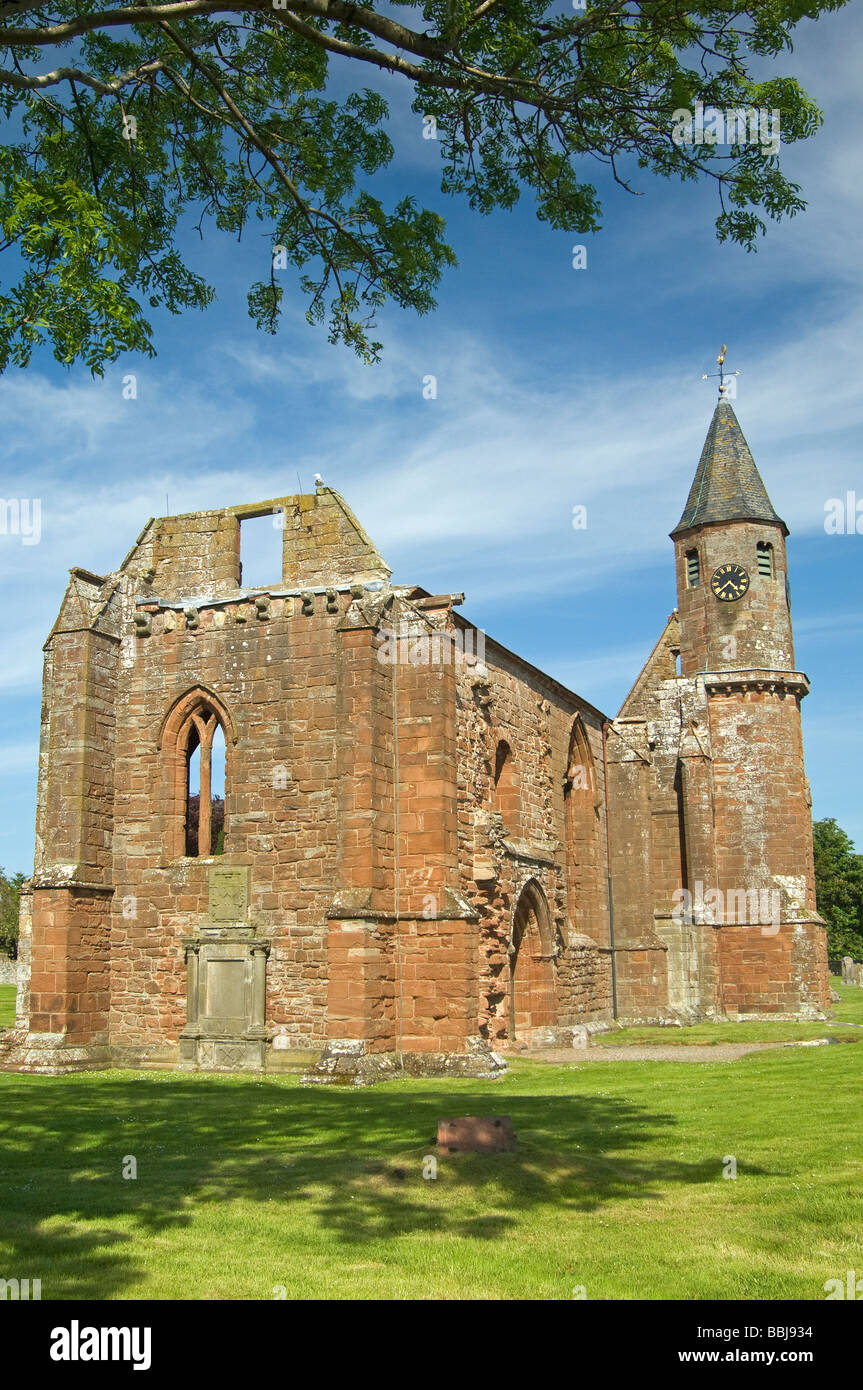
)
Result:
{"points": [[194, 730]]}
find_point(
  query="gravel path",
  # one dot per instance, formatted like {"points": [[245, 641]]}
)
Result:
{"points": [[661, 1052]]}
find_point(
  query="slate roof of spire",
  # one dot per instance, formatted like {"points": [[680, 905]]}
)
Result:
{"points": [[727, 485]]}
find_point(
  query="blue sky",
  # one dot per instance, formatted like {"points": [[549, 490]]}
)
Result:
{"points": [[556, 387]]}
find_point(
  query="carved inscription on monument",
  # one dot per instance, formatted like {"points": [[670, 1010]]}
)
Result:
{"points": [[229, 894]]}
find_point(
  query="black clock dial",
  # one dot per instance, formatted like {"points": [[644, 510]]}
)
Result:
{"points": [[729, 582]]}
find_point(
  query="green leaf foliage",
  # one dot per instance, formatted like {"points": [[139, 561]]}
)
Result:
{"points": [[839, 888], [10, 889], [127, 125]]}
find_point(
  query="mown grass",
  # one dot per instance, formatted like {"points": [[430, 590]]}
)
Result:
{"points": [[851, 1008], [7, 1006], [245, 1184], [850, 1011]]}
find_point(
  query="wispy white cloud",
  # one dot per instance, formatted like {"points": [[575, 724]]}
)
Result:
{"points": [[604, 676], [477, 486], [474, 490], [17, 757]]}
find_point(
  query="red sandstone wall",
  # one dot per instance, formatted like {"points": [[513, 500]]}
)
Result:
{"points": [[69, 982], [535, 717], [763, 816], [782, 974], [277, 678]]}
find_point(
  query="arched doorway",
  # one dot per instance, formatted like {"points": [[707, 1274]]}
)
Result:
{"points": [[533, 993]]}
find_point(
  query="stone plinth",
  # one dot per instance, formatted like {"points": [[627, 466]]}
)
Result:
{"points": [[225, 1000]]}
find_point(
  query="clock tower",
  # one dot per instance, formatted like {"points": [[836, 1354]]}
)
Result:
{"points": [[732, 573], [746, 810]]}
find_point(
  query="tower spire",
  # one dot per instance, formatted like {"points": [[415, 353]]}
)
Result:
{"points": [[727, 485]]}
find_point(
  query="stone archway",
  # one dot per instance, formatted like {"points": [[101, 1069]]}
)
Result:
{"points": [[533, 987]]}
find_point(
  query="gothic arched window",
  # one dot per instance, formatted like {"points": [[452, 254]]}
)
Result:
{"points": [[581, 803], [196, 737], [205, 784]]}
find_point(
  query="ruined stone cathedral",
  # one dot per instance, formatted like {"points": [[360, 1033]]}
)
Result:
{"points": [[428, 851]]}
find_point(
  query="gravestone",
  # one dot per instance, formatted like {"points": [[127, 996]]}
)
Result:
{"points": [[476, 1134]]}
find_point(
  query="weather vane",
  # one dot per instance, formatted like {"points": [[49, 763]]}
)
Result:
{"points": [[724, 377]]}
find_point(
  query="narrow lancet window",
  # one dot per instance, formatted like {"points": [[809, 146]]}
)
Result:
{"points": [[205, 784], [765, 559]]}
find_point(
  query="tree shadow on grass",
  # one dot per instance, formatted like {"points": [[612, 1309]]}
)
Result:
{"points": [[351, 1159]]}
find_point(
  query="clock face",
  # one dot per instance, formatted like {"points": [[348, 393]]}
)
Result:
{"points": [[729, 582]]}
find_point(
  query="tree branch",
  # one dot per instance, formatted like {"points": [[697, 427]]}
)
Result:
{"points": [[274, 162], [33, 83]]}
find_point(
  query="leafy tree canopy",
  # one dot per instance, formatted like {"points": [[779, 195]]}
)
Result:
{"points": [[122, 118], [839, 888], [10, 888]]}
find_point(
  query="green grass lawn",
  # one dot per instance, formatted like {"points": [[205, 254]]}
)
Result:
{"points": [[851, 1008], [7, 1006], [764, 1030], [247, 1183]]}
